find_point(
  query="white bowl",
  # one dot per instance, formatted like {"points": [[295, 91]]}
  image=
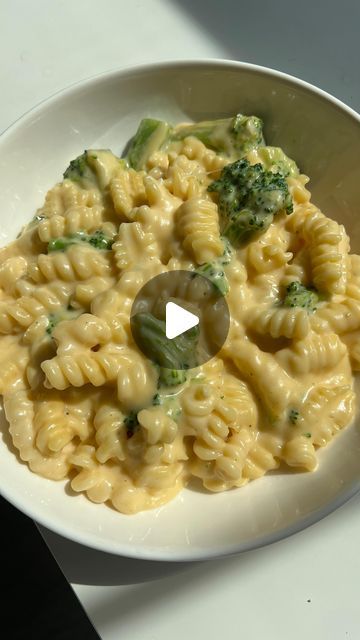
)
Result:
{"points": [[323, 135]]}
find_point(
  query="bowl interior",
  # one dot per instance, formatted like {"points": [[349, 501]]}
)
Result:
{"points": [[324, 138]]}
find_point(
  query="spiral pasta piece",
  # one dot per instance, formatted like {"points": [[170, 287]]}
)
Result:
{"points": [[110, 433], [209, 419], [86, 331], [41, 347], [76, 219], [339, 317], [185, 178], [159, 427], [78, 263], [11, 270], [328, 248], [134, 244], [264, 256], [114, 306], [194, 149], [198, 224], [314, 353], [14, 358], [270, 382], [78, 369], [56, 428], [229, 466], [85, 292], [92, 477], [297, 271], [298, 190], [66, 195], [264, 456], [17, 315], [127, 191], [300, 452], [136, 380], [19, 410], [277, 322], [326, 410]]}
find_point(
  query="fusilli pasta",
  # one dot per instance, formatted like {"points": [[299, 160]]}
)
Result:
{"points": [[84, 403]]}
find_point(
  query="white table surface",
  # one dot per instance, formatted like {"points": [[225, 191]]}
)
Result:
{"points": [[302, 587]]}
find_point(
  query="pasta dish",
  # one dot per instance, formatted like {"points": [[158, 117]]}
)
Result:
{"points": [[84, 402]]}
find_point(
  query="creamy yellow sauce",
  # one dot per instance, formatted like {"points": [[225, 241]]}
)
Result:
{"points": [[83, 402]]}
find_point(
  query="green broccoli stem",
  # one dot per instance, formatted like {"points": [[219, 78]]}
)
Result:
{"points": [[234, 136], [171, 377], [275, 160], [150, 136], [178, 353], [98, 240], [210, 132], [214, 272]]}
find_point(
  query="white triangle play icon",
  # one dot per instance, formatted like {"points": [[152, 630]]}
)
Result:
{"points": [[178, 320]]}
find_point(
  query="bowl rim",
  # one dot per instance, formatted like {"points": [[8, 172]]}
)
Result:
{"points": [[128, 70], [163, 553]]}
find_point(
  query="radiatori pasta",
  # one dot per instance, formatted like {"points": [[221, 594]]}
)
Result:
{"points": [[81, 399]]}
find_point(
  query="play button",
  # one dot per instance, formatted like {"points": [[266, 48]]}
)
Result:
{"points": [[180, 319]]}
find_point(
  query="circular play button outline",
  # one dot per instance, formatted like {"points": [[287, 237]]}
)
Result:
{"points": [[187, 306]]}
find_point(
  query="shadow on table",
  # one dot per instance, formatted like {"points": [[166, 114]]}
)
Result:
{"points": [[118, 609], [83, 565], [140, 586], [86, 566], [297, 38]]}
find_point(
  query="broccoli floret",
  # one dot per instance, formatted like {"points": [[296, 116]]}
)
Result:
{"points": [[94, 168], [97, 240], [249, 197], [233, 136], [247, 133], [215, 273], [79, 170], [150, 137], [131, 423], [297, 295], [275, 160], [173, 356], [100, 241]]}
